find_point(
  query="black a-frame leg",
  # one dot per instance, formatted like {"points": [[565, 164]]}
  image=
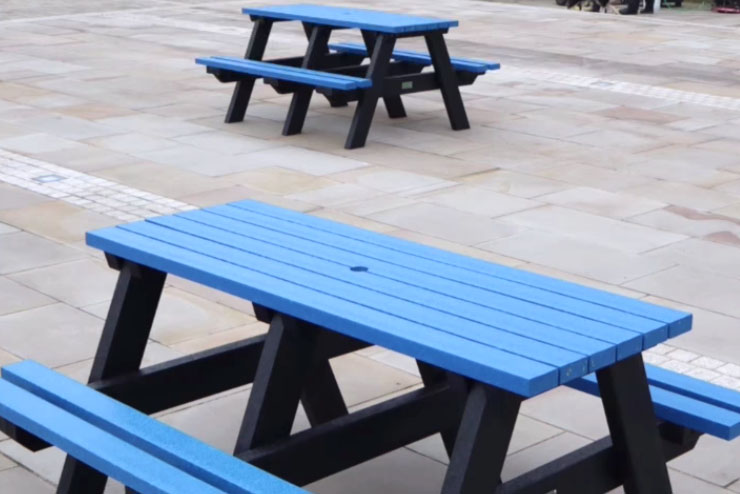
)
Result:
{"points": [[379, 62], [482, 441], [447, 81], [120, 351], [393, 104], [292, 368], [431, 376], [243, 90], [317, 47], [633, 427]]}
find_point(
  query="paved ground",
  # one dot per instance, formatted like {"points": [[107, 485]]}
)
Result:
{"points": [[605, 151]]}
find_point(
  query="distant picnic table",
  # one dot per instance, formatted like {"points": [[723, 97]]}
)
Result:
{"points": [[337, 70]]}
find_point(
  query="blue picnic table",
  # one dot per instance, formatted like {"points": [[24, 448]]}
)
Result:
{"points": [[485, 338], [337, 71]]}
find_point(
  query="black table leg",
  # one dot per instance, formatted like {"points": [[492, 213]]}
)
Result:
{"points": [[334, 101], [317, 48], [632, 425], [432, 375], [243, 89], [321, 398], [447, 81], [287, 357], [381, 58], [482, 441], [393, 104], [120, 351]]}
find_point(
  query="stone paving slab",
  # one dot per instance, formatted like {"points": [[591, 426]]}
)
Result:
{"points": [[604, 152]]}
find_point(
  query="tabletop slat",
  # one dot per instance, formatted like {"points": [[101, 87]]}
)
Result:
{"points": [[451, 311], [453, 298], [543, 306], [466, 357], [328, 278], [678, 322], [371, 20]]}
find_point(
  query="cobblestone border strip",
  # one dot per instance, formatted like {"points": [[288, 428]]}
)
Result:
{"points": [[633, 89], [83, 190], [694, 365]]}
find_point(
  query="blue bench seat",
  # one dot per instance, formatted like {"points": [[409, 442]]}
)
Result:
{"points": [[298, 75], [461, 64], [685, 401], [122, 443]]}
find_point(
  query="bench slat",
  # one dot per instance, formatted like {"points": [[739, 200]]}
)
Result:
{"points": [[678, 322], [681, 410], [693, 388], [95, 447], [480, 289], [484, 363], [463, 64], [283, 72], [155, 438], [390, 279], [336, 280]]}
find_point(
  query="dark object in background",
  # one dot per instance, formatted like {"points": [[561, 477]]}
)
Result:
{"points": [[727, 6], [632, 6]]}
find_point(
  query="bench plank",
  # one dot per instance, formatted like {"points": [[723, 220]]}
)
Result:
{"points": [[370, 20], [517, 374], [330, 278], [693, 388], [681, 410], [95, 447], [284, 72], [153, 437], [419, 58], [677, 322]]}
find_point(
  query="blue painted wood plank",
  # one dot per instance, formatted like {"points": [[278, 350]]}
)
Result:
{"points": [[501, 296], [430, 291], [483, 363], [464, 64], [198, 459], [283, 72], [336, 280], [290, 69], [678, 322], [370, 20], [681, 410], [693, 388], [650, 331], [95, 447]]}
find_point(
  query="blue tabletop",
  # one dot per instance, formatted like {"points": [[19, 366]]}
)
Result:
{"points": [[370, 20], [516, 330]]}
